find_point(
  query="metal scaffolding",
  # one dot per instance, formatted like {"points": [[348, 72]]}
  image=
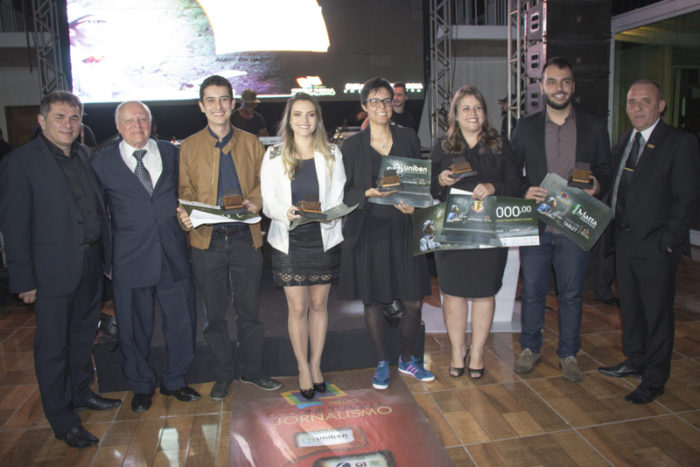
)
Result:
{"points": [[47, 41], [440, 65], [516, 58]]}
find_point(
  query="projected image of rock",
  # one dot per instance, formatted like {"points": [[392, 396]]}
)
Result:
{"points": [[162, 49]]}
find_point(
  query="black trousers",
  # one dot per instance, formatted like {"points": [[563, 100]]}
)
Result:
{"points": [[646, 278], [231, 266], [66, 326], [134, 308]]}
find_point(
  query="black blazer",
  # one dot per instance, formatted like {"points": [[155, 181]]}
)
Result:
{"points": [[40, 221], [662, 198], [592, 146], [144, 228], [357, 157]]}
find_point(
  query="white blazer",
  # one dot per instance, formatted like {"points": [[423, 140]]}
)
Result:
{"points": [[276, 190]]}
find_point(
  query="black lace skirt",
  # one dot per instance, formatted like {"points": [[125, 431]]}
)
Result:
{"points": [[306, 263]]}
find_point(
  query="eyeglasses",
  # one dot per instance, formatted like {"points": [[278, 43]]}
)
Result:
{"points": [[375, 103]]}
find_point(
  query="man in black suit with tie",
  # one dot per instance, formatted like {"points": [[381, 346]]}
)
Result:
{"points": [[56, 236], [150, 259], [655, 198], [557, 140]]}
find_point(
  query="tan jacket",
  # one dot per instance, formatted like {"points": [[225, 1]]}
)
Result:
{"points": [[199, 175]]}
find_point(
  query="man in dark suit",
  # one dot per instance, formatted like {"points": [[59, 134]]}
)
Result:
{"points": [[557, 140], [56, 235], [150, 260], [655, 198]]}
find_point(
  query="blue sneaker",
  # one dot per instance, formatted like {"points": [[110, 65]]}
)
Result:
{"points": [[413, 367], [381, 375]]}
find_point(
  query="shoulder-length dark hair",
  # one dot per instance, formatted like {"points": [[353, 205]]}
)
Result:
{"points": [[455, 142]]}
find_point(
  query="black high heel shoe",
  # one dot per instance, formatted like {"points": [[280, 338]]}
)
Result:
{"points": [[307, 393], [320, 387], [476, 373], [457, 372]]}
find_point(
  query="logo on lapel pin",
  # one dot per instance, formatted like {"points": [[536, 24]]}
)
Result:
{"points": [[651, 146]]}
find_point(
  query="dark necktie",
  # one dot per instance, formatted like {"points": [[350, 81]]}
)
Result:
{"points": [[633, 158], [141, 171], [620, 196]]}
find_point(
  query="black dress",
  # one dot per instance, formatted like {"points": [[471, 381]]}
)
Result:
{"points": [[306, 263], [475, 273], [377, 263]]}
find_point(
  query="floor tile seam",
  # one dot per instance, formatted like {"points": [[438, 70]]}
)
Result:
{"points": [[164, 417], [595, 449], [513, 438], [219, 434], [696, 428], [546, 403], [686, 356], [574, 426], [618, 422], [449, 424], [19, 406]]}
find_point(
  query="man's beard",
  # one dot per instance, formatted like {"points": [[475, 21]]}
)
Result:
{"points": [[557, 105]]}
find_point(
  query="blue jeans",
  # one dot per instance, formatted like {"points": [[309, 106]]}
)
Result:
{"points": [[570, 262]]}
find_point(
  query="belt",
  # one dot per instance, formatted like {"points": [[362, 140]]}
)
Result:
{"points": [[230, 228]]}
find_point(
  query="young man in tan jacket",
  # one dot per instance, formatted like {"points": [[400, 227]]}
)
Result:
{"points": [[226, 257]]}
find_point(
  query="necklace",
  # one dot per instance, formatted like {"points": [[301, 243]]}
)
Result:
{"points": [[383, 144]]}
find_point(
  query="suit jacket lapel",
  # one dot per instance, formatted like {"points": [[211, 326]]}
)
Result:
{"points": [[541, 144], [167, 167], [620, 149]]}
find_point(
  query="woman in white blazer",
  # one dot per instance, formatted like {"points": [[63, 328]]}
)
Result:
{"points": [[305, 261]]}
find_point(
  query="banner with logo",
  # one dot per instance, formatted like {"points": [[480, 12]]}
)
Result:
{"points": [[462, 223], [415, 181], [341, 427], [576, 214]]}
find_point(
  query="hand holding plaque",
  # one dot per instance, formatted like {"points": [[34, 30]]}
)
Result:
{"points": [[232, 203], [389, 182], [461, 168], [311, 208], [581, 176]]}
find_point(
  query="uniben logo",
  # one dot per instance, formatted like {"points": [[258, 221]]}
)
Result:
{"points": [[416, 169]]}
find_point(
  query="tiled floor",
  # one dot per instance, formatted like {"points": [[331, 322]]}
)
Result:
{"points": [[502, 419]]}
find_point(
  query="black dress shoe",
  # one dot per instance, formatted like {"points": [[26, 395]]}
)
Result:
{"points": [[78, 437], [184, 394], [141, 402], [620, 370], [307, 393], [97, 402], [320, 387], [644, 394]]}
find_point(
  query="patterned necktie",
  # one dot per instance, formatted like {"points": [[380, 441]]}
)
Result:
{"points": [[633, 157], [141, 171]]}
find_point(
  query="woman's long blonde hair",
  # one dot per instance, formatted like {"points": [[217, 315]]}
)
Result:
{"points": [[319, 142], [455, 142]]}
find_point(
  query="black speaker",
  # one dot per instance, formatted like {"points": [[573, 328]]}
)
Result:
{"points": [[535, 23], [578, 19], [590, 59], [534, 101], [579, 31], [535, 57]]}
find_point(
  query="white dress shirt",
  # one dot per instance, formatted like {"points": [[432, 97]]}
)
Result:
{"points": [[151, 160]]}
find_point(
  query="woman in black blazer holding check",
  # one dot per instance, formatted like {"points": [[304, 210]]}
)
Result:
{"points": [[377, 263], [471, 274]]}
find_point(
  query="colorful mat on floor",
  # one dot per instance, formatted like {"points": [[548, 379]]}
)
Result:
{"points": [[349, 425]]}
